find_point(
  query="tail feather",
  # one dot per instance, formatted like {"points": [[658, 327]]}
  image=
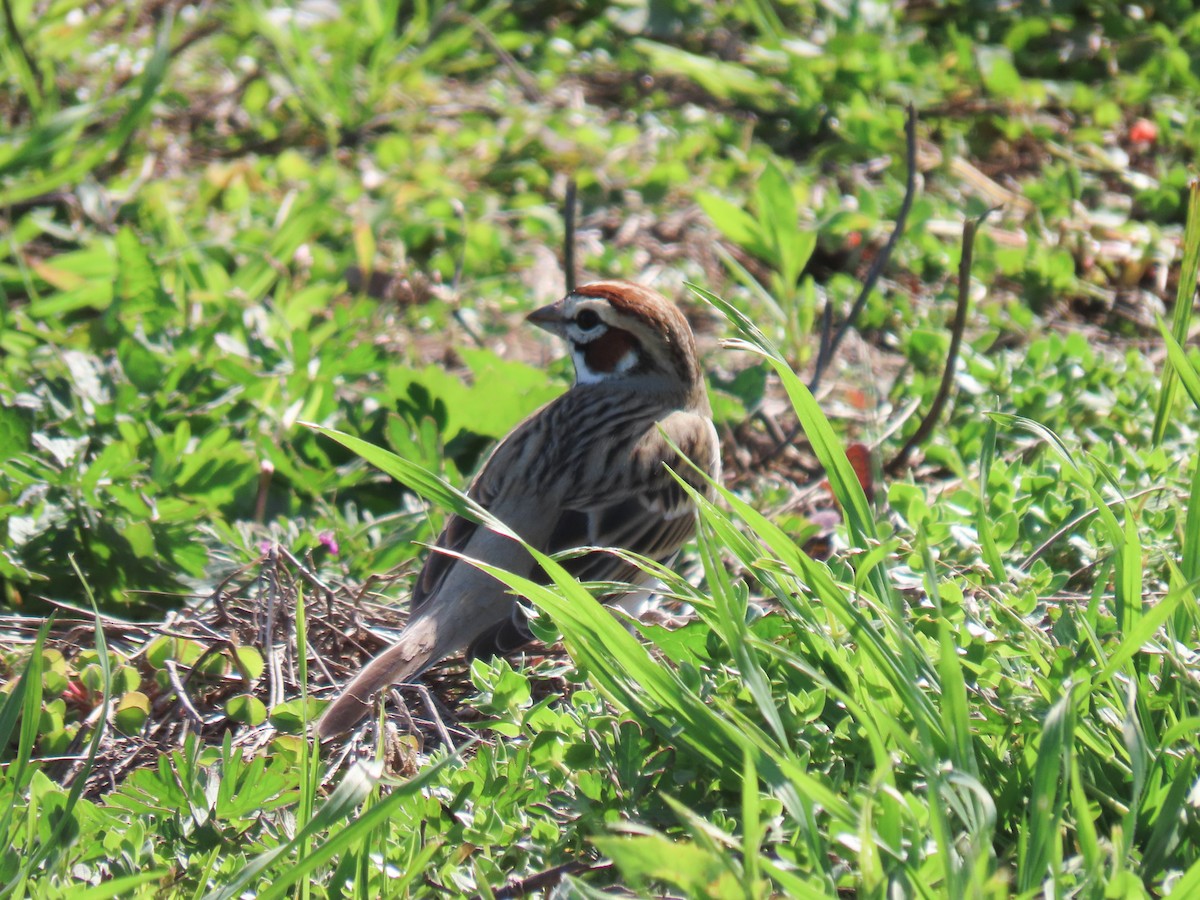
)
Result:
{"points": [[416, 649]]}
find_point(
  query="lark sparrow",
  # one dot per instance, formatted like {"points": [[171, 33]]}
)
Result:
{"points": [[587, 470]]}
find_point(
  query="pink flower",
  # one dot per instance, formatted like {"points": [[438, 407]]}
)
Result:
{"points": [[328, 541]]}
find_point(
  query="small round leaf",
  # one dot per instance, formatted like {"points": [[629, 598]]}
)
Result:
{"points": [[247, 709]]}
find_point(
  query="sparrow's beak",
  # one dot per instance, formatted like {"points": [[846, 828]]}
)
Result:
{"points": [[550, 317]]}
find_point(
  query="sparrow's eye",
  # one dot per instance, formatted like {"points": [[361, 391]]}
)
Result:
{"points": [[587, 319]]}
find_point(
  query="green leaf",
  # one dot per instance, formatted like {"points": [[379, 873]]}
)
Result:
{"points": [[142, 366], [725, 80], [133, 709], [292, 716], [736, 224], [843, 481], [16, 431], [247, 709], [414, 477], [644, 859], [330, 821], [119, 887], [250, 662]]}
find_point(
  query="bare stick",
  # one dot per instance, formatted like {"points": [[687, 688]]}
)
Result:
{"points": [[181, 693], [431, 707], [306, 573], [569, 236], [827, 346], [460, 212], [1072, 525], [526, 82], [960, 321], [402, 709], [827, 353], [823, 345]]}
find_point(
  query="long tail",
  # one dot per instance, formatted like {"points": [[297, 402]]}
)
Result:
{"points": [[416, 649]]}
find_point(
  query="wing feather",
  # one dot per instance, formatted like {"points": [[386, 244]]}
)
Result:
{"points": [[644, 509], [455, 536], [631, 503]]}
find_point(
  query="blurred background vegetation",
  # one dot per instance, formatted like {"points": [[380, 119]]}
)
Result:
{"points": [[222, 220]]}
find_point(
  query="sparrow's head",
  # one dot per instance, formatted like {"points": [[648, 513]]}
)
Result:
{"points": [[619, 330]]}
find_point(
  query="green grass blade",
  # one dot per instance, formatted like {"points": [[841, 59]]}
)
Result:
{"points": [[732, 615], [56, 842], [24, 701], [1184, 299], [1142, 631], [348, 835], [1189, 553], [1181, 367], [310, 779], [902, 669], [624, 672], [345, 800], [983, 522], [752, 830], [1169, 818], [119, 887], [956, 715], [797, 885], [416, 478], [843, 481], [1041, 854], [1123, 538], [1085, 824]]}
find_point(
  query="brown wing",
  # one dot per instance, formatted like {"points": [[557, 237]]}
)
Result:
{"points": [[523, 445], [644, 509], [454, 537], [618, 494], [641, 508]]}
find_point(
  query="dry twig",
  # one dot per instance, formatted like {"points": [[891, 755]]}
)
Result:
{"points": [[569, 236], [960, 321]]}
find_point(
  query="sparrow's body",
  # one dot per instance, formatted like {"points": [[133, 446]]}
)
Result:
{"points": [[587, 470]]}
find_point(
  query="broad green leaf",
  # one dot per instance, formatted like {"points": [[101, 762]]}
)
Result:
{"points": [[247, 709], [736, 224], [133, 709]]}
